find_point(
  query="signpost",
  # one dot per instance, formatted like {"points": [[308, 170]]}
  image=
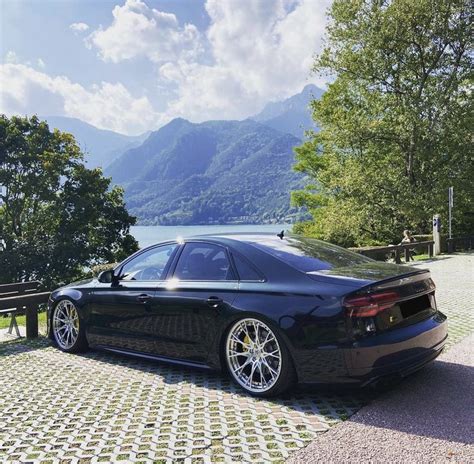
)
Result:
{"points": [[437, 234], [450, 206]]}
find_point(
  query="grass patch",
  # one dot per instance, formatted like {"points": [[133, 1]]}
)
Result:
{"points": [[21, 320], [422, 257]]}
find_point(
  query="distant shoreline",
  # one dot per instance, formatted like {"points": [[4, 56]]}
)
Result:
{"points": [[198, 224]]}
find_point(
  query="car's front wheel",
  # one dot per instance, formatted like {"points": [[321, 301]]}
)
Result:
{"points": [[257, 359], [67, 327]]}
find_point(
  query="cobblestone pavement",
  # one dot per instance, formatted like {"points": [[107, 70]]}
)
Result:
{"points": [[57, 407], [102, 407], [454, 279]]}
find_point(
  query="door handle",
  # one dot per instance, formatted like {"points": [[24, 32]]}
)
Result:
{"points": [[144, 298], [214, 301]]}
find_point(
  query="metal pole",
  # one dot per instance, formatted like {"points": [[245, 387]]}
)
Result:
{"points": [[450, 205], [437, 234]]}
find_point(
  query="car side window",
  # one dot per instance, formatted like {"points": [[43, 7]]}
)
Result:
{"points": [[245, 270], [149, 265], [203, 261]]}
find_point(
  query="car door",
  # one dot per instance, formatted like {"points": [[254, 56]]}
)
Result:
{"points": [[122, 314], [201, 288]]}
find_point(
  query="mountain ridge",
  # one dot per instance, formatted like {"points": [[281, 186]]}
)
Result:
{"points": [[210, 172], [101, 146], [291, 115]]}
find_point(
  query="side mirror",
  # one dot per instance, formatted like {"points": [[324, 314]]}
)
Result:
{"points": [[106, 277]]}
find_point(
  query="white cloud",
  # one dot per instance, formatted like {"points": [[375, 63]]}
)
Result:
{"points": [[138, 30], [252, 52], [108, 106], [261, 51], [79, 27], [41, 64], [11, 57]]}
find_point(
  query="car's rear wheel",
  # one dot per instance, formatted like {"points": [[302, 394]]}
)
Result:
{"points": [[258, 359], [68, 330]]}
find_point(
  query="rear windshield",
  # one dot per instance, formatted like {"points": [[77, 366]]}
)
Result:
{"points": [[307, 254]]}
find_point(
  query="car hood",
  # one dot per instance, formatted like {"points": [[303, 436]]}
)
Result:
{"points": [[363, 274], [80, 284]]}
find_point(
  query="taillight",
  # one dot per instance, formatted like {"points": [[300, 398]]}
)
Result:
{"points": [[369, 305]]}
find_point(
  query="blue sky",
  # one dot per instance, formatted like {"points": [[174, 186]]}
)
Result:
{"points": [[133, 65]]}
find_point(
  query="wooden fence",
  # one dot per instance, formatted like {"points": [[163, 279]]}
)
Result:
{"points": [[396, 251]]}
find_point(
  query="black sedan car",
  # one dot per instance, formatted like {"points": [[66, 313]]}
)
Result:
{"points": [[272, 310]]}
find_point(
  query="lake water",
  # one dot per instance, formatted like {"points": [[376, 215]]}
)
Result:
{"points": [[148, 235]]}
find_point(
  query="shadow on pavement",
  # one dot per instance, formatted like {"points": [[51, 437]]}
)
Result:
{"points": [[20, 345], [332, 402], [435, 402]]}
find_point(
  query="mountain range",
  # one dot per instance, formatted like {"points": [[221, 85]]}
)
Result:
{"points": [[212, 172], [100, 146], [206, 173], [292, 115]]}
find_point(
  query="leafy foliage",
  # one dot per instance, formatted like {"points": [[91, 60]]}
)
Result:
{"points": [[56, 216], [213, 172], [395, 123]]}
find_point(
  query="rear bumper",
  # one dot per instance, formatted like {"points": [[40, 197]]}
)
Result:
{"points": [[399, 352], [395, 353]]}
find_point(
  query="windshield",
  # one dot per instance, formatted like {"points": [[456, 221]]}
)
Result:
{"points": [[308, 254]]}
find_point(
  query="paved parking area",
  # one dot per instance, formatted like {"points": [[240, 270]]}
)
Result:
{"points": [[396, 429], [57, 407], [454, 278], [102, 407]]}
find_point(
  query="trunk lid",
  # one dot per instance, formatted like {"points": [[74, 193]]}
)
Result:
{"points": [[390, 303], [364, 274]]}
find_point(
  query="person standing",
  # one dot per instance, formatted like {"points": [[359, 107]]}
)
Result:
{"points": [[408, 238]]}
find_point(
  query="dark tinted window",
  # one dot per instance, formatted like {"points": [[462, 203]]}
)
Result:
{"points": [[245, 270], [203, 261], [306, 254], [149, 265]]}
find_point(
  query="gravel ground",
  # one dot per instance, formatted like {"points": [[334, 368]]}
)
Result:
{"points": [[428, 418]]}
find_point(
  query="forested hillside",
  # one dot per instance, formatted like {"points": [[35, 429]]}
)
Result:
{"points": [[213, 172]]}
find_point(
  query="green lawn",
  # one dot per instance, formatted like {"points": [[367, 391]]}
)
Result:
{"points": [[422, 257], [5, 321]]}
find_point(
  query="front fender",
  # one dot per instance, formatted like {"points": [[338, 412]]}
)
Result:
{"points": [[81, 297]]}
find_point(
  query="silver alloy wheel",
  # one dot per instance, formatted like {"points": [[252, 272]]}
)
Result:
{"points": [[65, 324], [253, 355]]}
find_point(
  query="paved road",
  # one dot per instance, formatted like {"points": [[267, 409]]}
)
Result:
{"points": [[429, 417]]}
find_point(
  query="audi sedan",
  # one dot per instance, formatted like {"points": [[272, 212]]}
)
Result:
{"points": [[271, 310]]}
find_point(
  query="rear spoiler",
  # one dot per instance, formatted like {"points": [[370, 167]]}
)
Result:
{"points": [[399, 281], [363, 282]]}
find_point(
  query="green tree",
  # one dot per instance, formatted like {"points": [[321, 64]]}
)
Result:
{"points": [[56, 216], [396, 122]]}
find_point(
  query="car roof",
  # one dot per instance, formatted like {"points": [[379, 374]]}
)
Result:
{"points": [[239, 237], [226, 238]]}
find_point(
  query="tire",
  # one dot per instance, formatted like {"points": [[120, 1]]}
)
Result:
{"points": [[257, 358], [68, 331]]}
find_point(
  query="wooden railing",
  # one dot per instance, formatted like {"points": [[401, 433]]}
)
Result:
{"points": [[460, 243], [396, 251], [22, 297]]}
